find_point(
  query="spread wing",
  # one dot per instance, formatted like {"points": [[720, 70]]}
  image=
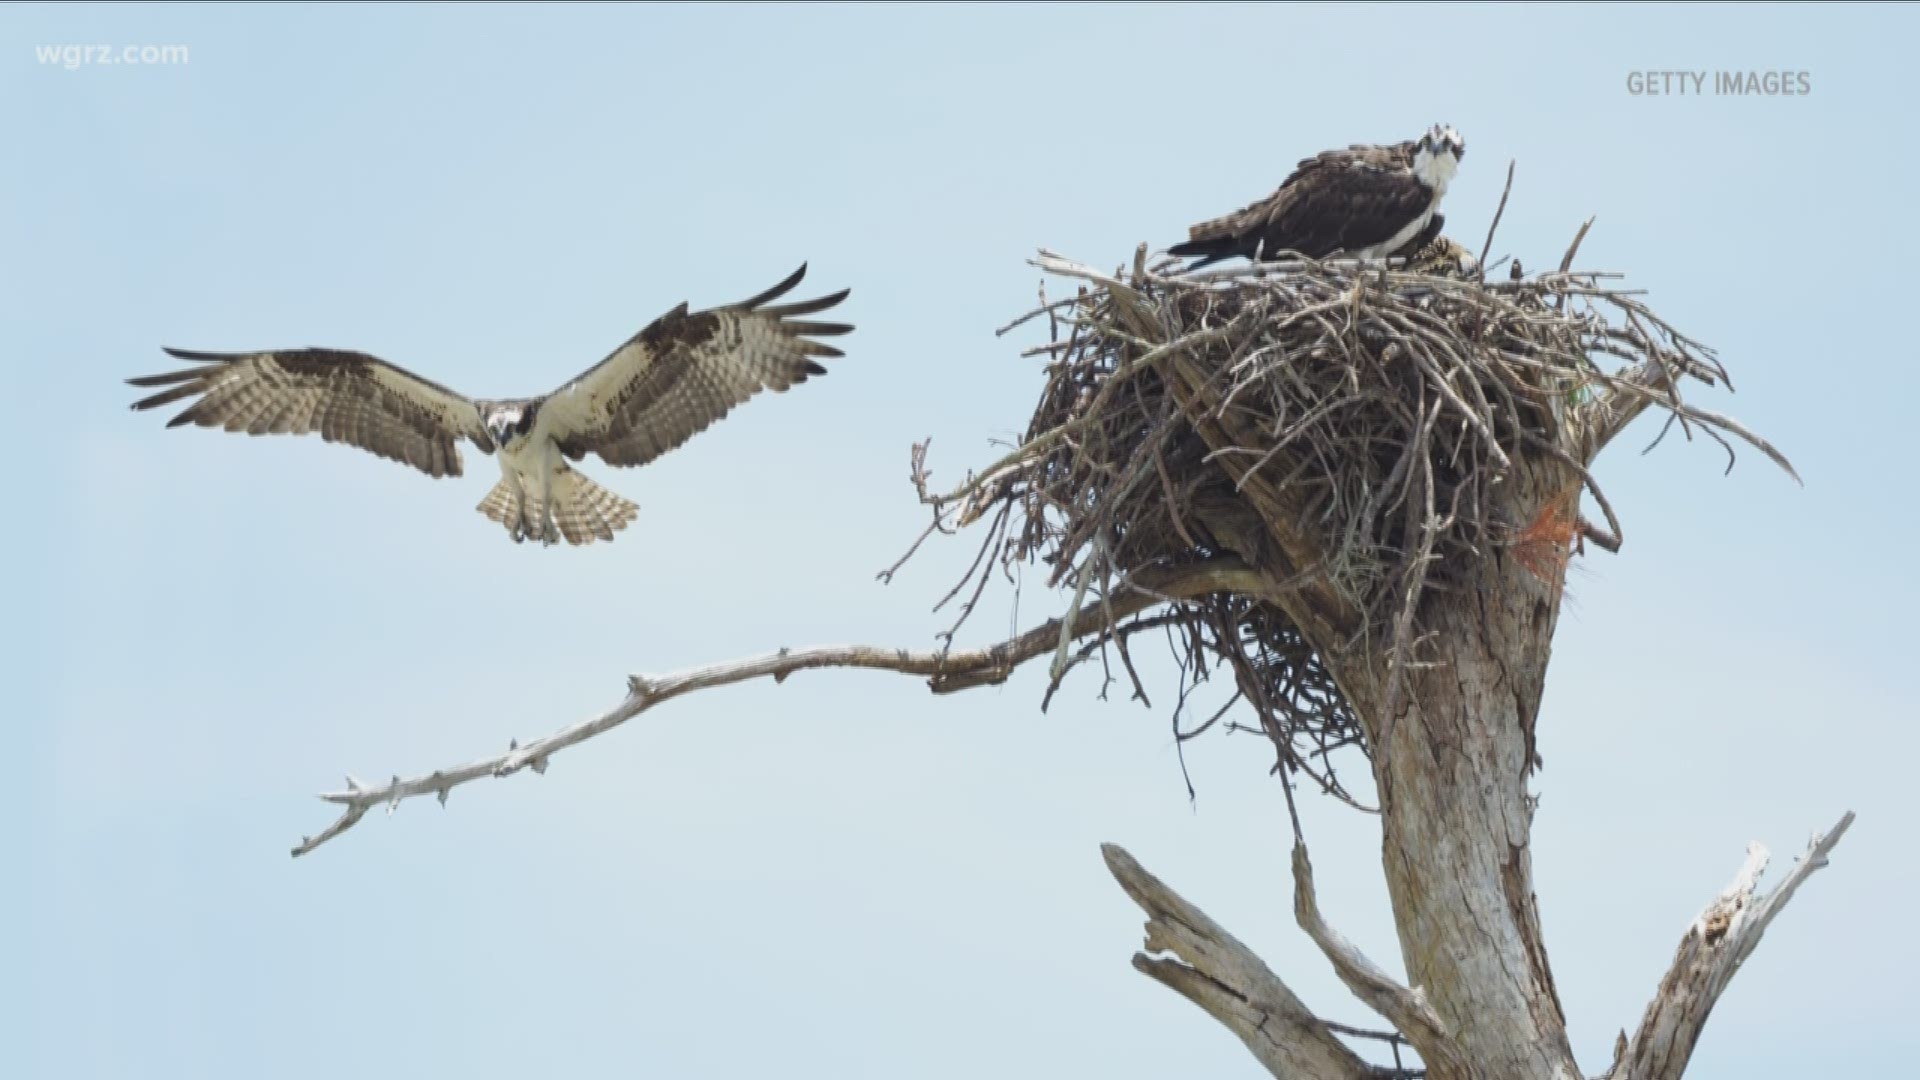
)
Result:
{"points": [[347, 397], [687, 370]]}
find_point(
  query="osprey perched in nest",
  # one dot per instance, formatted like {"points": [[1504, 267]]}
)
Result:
{"points": [[1364, 202], [666, 384]]}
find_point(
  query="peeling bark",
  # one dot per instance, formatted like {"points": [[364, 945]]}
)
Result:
{"points": [[1212, 969], [1713, 948], [1451, 766]]}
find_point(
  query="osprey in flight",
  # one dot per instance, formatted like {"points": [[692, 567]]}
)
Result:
{"points": [[668, 383], [1364, 202]]}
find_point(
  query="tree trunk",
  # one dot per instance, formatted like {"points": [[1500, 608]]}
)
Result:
{"points": [[1451, 765]]}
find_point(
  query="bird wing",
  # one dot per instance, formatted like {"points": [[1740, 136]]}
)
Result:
{"points": [[1238, 223], [686, 370], [1417, 247], [1346, 201], [347, 397], [1335, 200]]}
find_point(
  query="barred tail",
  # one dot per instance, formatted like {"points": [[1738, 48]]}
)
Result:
{"points": [[582, 510], [585, 511]]}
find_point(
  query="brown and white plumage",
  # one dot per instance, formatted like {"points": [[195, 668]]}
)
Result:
{"points": [[583, 511], [687, 370], [1363, 202], [1442, 256], [667, 383], [347, 397], [1435, 254]]}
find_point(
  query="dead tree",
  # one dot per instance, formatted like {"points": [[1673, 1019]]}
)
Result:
{"points": [[1355, 491]]}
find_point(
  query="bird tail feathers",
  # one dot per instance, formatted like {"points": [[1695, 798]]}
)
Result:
{"points": [[582, 510], [1209, 251]]}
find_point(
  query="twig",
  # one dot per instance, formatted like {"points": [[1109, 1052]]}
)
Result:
{"points": [[1567, 259], [947, 671], [1497, 211], [1393, 1039], [1407, 1009]]}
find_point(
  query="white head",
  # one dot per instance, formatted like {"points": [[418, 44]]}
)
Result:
{"points": [[507, 422], [1437, 156]]}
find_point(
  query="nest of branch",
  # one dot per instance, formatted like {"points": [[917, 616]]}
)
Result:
{"points": [[1339, 429]]}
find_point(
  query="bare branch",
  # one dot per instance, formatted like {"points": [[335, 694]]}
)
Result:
{"points": [[947, 671], [1627, 396], [1566, 261], [1650, 383], [1221, 975], [1487, 247], [1407, 1009], [1719, 941]]}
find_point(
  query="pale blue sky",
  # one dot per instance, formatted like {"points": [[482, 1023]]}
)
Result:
{"points": [[839, 876]]}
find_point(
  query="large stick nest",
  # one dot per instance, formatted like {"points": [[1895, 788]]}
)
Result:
{"points": [[1345, 430]]}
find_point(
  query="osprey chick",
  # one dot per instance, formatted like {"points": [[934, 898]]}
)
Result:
{"points": [[1441, 256], [669, 382]]}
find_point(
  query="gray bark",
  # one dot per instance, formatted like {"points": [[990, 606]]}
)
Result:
{"points": [[1451, 766], [1451, 763]]}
